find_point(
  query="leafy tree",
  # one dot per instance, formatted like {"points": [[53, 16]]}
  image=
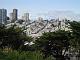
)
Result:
{"points": [[2, 34], [75, 41], [53, 43], [12, 37]]}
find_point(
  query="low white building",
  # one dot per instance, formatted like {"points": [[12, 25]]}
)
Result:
{"points": [[36, 28]]}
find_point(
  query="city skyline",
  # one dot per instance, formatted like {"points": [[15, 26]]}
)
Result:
{"points": [[40, 7]]}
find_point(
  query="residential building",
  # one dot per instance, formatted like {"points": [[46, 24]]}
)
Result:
{"points": [[14, 15], [3, 16], [26, 17], [11, 17]]}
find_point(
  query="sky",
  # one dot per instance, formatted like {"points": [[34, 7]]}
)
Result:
{"points": [[40, 7]]}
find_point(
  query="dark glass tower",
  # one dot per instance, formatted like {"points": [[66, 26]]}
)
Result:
{"points": [[15, 14]]}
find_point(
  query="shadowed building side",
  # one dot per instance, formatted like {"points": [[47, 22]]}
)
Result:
{"points": [[3, 16]]}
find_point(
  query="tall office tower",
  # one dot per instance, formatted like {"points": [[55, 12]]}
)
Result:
{"points": [[11, 17], [26, 17], [3, 16], [14, 14]]}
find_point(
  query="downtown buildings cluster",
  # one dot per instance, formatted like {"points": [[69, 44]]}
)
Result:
{"points": [[4, 19], [32, 28]]}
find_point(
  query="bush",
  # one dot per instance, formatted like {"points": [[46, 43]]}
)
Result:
{"points": [[16, 55]]}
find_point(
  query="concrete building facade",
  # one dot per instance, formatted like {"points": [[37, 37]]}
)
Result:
{"points": [[14, 15], [3, 16]]}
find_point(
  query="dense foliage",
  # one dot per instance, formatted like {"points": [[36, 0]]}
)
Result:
{"points": [[46, 47], [75, 38], [12, 38], [53, 43]]}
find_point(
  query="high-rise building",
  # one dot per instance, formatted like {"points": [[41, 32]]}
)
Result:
{"points": [[26, 17], [11, 16], [3, 16], [14, 14]]}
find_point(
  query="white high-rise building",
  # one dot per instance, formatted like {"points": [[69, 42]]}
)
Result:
{"points": [[26, 17], [11, 16], [3, 16]]}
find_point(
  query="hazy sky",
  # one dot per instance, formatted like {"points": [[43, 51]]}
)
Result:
{"points": [[41, 6]]}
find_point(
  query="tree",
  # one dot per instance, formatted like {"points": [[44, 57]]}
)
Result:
{"points": [[75, 40], [2, 35], [13, 38], [53, 43]]}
